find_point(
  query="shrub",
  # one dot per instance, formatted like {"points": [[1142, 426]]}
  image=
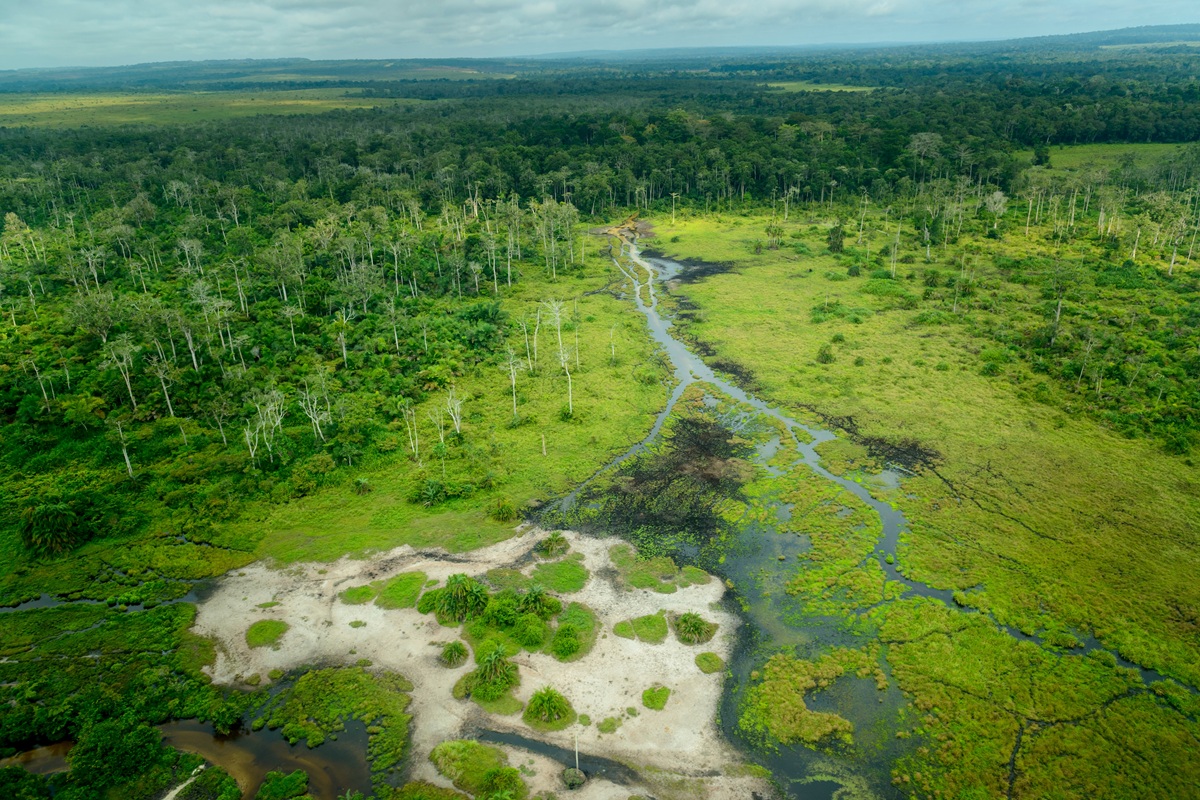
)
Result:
{"points": [[537, 601], [462, 597], [113, 751], [51, 528], [709, 663], [429, 601], [454, 653], [502, 783], [278, 786], [494, 676], [553, 545], [838, 338], [530, 631], [363, 486], [503, 510], [576, 633], [691, 628], [548, 710], [566, 641], [825, 355], [265, 632], [655, 698], [854, 270], [502, 610]]}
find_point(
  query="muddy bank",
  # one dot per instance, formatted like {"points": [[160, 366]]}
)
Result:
{"points": [[690, 270]]}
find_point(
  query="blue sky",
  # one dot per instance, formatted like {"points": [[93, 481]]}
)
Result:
{"points": [[42, 33]]}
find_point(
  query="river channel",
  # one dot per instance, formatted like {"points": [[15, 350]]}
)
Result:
{"points": [[754, 569]]}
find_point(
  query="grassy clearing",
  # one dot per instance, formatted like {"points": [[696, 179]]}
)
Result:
{"points": [[807, 86], [1028, 506], [357, 595], [119, 108], [564, 577], [655, 698], [659, 573], [265, 632], [651, 628], [709, 663], [401, 591], [1094, 157], [1001, 493]]}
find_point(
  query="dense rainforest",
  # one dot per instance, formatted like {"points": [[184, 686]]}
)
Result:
{"points": [[204, 321]]}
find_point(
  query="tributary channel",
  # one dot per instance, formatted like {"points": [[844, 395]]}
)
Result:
{"points": [[754, 568]]}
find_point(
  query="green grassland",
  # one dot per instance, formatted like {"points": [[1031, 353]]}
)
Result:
{"points": [[74, 110], [1019, 480], [1085, 157], [1021, 498]]}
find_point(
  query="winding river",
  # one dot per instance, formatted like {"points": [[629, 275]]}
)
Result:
{"points": [[754, 570]]}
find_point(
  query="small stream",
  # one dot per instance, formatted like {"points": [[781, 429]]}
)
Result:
{"points": [[754, 567]]}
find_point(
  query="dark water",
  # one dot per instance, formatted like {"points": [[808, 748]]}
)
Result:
{"points": [[333, 768], [592, 766]]}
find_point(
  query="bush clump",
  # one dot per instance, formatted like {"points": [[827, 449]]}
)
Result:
{"points": [[531, 631], [454, 653], [538, 601], [553, 545], [503, 510], [566, 641], [461, 598], [548, 710], [494, 676], [691, 628], [469, 765]]}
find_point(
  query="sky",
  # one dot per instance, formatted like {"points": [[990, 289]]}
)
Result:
{"points": [[48, 33]]}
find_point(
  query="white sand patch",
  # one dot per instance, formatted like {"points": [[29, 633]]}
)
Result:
{"points": [[679, 742]]}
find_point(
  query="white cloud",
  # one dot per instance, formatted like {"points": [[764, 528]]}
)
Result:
{"points": [[67, 32]]}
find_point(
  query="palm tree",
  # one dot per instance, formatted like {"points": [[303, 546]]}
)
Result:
{"points": [[462, 597]]}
